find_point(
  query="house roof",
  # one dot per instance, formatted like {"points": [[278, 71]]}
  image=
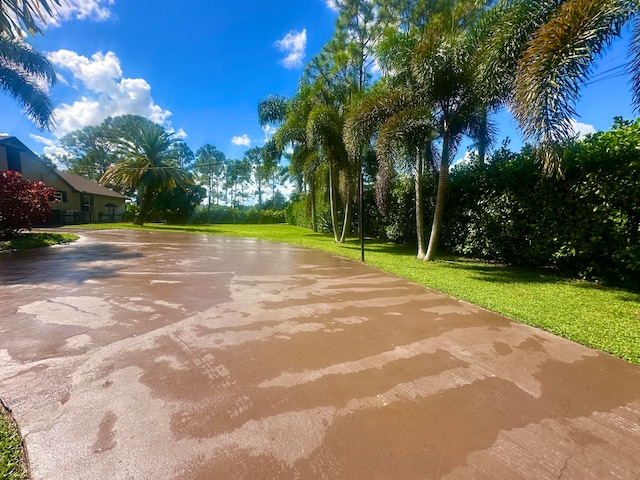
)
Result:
{"points": [[14, 142], [84, 185], [78, 183]]}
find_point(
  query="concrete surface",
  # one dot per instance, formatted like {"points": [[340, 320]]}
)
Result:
{"points": [[138, 355]]}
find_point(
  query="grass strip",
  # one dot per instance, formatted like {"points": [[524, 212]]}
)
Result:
{"points": [[594, 315], [36, 240], [12, 460]]}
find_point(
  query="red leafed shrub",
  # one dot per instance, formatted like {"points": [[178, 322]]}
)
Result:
{"points": [[22, 203]]}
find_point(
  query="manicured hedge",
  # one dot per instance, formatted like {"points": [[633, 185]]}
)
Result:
{"points": [[586, 221], [227, 215]]}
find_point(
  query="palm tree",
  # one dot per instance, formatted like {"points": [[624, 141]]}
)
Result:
{"points": [[210, 166], [546, 50], [433, 87], [25, 75], [445, 67], [292, 115], [149, 165], [404, 131], [16, 14]]}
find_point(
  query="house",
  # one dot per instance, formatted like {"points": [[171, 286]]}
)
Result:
{"points": [[79, 200]]}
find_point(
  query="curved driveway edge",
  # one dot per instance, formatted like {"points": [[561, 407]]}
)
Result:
{"points": [[146, 355]]}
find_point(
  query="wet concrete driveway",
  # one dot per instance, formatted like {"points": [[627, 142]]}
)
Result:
{"points": [[140, 355]]}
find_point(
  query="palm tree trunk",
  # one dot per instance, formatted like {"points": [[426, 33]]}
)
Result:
{"points": [[347, 221], [483, 139], [332, 204], [314, 213], [419, 205], [210, 195], [147, 197], [441, 196]]}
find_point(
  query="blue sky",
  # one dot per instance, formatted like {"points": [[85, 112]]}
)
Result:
{"points": [[201, 67]]}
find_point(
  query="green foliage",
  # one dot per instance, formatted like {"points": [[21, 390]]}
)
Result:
{"points": [[37, 240], [297, 213], [23, 203], [26, 75], [131, 213], [176, 206], [586, 222], [209, 168], [29, 15], [219, 214], [12, 466], [149, 165]]}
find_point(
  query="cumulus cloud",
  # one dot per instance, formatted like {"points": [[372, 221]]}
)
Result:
{"points": [[52, 150], [105, 92], [581, 129], [97, 10], [180, 133], [241, 140], [294, 45]]}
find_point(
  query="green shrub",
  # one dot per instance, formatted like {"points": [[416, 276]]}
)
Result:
{"points": [[586, 222], [297, 214], [219, 214]]}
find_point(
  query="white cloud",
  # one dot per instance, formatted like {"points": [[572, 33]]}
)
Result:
{"points": [[242, 140], [105, 92], [180, 133], [581, 129], [53, 150], [268, 131], [332, 4], [97, 10], [466, 160], [294, 45]]}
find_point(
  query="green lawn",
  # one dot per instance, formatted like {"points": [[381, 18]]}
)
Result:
{"points": [[12, 466], [601, 317], [36, 240]]}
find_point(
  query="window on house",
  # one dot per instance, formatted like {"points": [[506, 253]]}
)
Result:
{"points": [[13, 159], [86, 202], [60, 196]]}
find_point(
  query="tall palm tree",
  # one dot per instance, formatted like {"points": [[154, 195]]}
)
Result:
{"points": [[25, 75], [291, 115], [433, 87], [404, 131], [294, 116], [149, 165]]}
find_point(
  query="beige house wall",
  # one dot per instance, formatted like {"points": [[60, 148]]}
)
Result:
{"points": [[34, 169]]}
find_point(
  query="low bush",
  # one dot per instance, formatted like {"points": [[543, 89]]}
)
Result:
{"points": [[23, 203]]}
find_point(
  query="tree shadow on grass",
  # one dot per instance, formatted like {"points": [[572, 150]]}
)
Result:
{"points": [[504, 274]]}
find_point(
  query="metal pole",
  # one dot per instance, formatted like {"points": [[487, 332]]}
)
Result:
{"points": [[361, 214]]}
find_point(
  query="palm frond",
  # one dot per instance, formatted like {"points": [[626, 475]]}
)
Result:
{"points": [[272, 110], [25, 74], [557, 62], [376, 108], [634, 65], [16, 14]]}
